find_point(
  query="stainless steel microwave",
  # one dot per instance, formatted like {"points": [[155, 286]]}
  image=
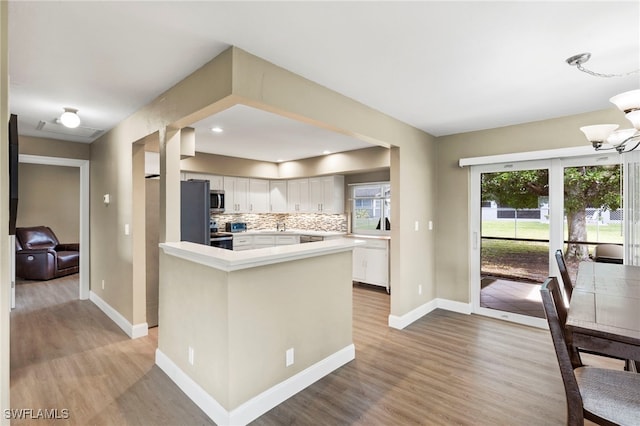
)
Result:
{"points": [[217, 201]]}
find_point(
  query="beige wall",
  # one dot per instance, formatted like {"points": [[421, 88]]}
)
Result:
{"points": [[229, 166], [50, 196], [375, 158], [452, 233], [241, 323], [236, 76], [201, 94], [264, 85], [54, 148]]}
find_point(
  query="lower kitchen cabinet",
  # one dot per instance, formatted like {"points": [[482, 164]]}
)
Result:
{"points": [[242, 242], [258, 241], [371, 263]]}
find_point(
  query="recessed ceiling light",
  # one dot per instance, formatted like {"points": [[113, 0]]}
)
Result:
{"points": [[279, 160], [216, 129], [325, 152]]}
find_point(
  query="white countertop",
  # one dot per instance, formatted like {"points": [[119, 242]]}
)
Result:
{"points": [[291, 232], [373, 237], [229, 260]]}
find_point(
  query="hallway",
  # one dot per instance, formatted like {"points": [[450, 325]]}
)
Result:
{"points": [[66, 354]]}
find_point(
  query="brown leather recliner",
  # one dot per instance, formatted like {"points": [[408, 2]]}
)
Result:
{"points": [[40, 256]]}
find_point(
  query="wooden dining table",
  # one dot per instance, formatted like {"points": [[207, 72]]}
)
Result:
{"points": [[604, 312]]}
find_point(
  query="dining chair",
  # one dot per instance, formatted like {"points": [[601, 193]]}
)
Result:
{"points": [[606, 397], [564, 274]]}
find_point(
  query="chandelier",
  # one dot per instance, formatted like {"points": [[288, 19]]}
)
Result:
{"points": [[607, 136]]}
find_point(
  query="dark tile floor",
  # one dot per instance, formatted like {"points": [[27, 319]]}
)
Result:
{"points": [[511, 296]]}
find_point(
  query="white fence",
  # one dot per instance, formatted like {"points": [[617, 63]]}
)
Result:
{"points": [[541, 214]]}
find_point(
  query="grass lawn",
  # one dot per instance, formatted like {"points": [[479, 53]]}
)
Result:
{"points": [[529, 261], [611, 233]]}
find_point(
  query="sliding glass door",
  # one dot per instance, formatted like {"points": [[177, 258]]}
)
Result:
{"points": [[521, 213], [511, 239]]}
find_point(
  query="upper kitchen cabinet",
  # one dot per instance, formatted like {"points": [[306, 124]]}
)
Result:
{"points": [[236, 193], [298, 196], [258, 196], [326, 194], [215, 182], [278, 196]]}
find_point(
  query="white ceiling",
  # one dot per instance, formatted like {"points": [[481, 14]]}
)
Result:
{"points": [[443, 67], [261, 135]]}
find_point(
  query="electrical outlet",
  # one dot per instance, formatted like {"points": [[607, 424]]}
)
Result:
{"points": [[419, 289], [103, 284], [417, 226], [126, 229], [289, 357], [191, 355], [430, 225]]}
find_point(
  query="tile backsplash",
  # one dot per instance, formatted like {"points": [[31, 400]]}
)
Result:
{"points": [[308, 221]]}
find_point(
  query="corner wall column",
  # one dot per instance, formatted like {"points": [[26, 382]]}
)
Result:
{"points": [[169, 185]]}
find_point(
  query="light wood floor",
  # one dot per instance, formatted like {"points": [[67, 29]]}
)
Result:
{"points": [[444, 369], [67, 354]]}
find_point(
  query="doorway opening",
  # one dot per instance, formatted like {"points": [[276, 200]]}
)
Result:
{"points": [[83, 215]]}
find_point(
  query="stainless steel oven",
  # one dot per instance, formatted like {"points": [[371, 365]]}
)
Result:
{"points": [[222, 240]]}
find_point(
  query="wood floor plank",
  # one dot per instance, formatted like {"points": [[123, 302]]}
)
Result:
{"points": [[444, 369], [66, 354]]}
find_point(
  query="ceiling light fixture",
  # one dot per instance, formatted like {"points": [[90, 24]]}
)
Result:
{"points": [[620, 140], [326, 152], [627, 102], [69, 118], [581, 58], [217, 129]]}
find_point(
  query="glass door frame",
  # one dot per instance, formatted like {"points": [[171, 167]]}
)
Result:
{"points": [[555, 167]]}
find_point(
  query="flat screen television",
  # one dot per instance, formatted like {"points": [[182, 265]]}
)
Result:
{"points": [[13, 173]]}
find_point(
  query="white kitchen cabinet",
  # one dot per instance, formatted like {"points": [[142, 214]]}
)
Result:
{"points": [[262, 241], [242, 242], [298, 195], [236, 193], [215, 182], [326, 194], [258, 196], [371, 263], [284, 240], [278, 196]]}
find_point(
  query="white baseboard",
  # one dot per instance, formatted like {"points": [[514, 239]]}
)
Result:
{"points": [[133, 330], [452, 305], [194, 391], [260, 404], [403, 321]]}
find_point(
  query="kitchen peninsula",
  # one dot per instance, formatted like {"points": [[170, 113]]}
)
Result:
{"points": [[241, 331]]}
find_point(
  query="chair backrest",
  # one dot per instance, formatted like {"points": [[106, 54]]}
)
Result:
{"points": [[566, 279], [609, 253], [37, 237], [556, 313]]}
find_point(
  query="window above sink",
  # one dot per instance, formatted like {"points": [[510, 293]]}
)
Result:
{"points": [[371, 208]]}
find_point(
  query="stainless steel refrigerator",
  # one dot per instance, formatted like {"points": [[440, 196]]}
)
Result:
{"points": [[194, 211]]}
